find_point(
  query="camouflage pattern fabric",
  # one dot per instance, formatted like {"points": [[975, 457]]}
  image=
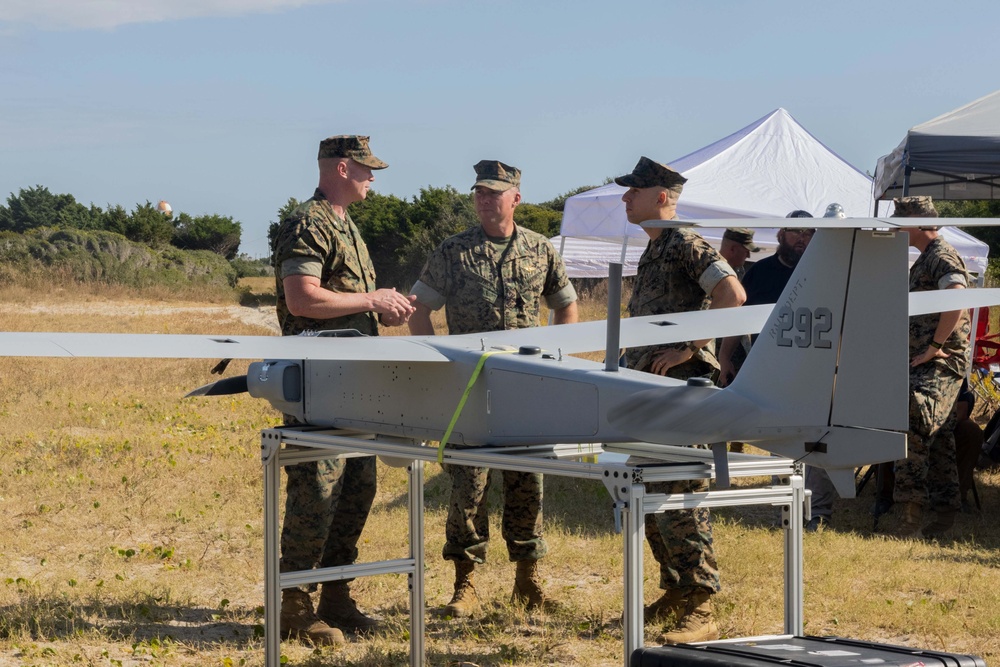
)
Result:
{"points": [[326, 507], [914, 206], [743, 236], [327, 502], [496, 175], [929, 474], [351, 146], [651, 174], [468, 526], [314, 232], [681, 540], [667, 282], [938, 260], [482, 294]]}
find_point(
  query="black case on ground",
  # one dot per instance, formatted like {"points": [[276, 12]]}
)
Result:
{"points": [[795, 652]]}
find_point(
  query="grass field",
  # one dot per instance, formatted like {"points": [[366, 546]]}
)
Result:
{"points": [[131, 531]]}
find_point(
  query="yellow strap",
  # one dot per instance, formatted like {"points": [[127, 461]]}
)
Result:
{"points": [[465, 396]]}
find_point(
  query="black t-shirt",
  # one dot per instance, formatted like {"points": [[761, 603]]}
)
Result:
{"points": [[765, 281]]}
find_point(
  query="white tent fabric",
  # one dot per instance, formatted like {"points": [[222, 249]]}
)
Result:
{"points": [[589, 258], [769, 168], [953, 156]]}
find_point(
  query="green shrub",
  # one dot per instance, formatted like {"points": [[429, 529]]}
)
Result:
{"points": [[77, 256]]}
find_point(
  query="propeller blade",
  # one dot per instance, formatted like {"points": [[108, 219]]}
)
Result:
{"points": [[234, 385]]}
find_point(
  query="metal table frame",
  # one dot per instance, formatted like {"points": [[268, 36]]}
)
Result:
{"points": [[624, 481]]}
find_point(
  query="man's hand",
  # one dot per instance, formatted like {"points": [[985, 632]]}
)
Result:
{"points": [[927, 355], [668, 358], [727, 372], [392, 307]]}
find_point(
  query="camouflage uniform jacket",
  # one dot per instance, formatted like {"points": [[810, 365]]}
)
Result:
{"points": [[667, 281], [936, 262], [315, 233], [480, 293]]}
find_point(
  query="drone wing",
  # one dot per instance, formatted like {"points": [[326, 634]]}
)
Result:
{"points": [[187, 346], [569, 338], [635, 331], [698, 325]]}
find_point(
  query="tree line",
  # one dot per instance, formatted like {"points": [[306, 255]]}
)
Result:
{"points": [[37, 207], [400, 232]]}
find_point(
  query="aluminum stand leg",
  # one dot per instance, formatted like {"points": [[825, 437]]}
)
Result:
{"points": [[417, 648], [633, 532], [793, 555], [270, 458]]}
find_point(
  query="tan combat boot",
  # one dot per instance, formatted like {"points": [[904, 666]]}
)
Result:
{"points": [[912, 513], [528, 586], [939, 525], [696, 624], [299, 621], [669, 606], [338, 609], [464, 602]]}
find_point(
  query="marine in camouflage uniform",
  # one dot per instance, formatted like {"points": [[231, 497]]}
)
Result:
{"points": [[667, 281], [679, 271], [929, 474], [328, 501], [493, 283], [315, 237], [737, 246]]}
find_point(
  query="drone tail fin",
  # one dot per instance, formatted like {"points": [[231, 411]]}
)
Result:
{"points": [[833, 355]]}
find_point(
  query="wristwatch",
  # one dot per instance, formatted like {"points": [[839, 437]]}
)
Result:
{"points": [[694, 348]]}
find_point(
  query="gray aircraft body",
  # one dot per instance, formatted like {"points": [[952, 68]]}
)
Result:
{"points": [[826, 382]]}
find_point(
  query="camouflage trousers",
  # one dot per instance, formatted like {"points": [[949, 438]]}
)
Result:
{"points": [[468, 528], [929, 473], [681, 540], [326, 507]]}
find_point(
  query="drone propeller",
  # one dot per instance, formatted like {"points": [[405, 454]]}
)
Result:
{"points": [[234, 385]]}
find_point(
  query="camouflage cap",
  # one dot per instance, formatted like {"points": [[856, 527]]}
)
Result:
{"points": [[920, 206], [496, 175], [351, 146], [649, 174], [743, 236]]}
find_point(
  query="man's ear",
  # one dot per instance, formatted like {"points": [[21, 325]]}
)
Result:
{"points": [[342, 168], [662, 197], [517, 197]]}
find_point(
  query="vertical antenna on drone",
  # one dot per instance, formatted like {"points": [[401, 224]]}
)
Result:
{"points": [[614, 317]]}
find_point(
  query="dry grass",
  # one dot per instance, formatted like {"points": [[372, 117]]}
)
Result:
{"points": [[130, 534]]}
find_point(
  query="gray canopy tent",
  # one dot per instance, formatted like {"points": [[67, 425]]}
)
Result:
{"points": [[954, 156]]}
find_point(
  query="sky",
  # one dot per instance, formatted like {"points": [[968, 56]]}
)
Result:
{"points": [[218, 106]]}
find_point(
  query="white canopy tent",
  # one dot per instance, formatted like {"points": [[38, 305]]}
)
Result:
{"points": [[953, 156], [767, 169]]}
